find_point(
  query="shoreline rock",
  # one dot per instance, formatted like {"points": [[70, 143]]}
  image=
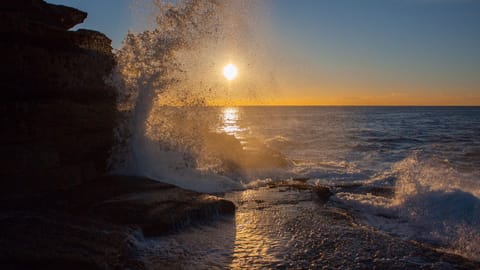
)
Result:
{"points": [[57, 211], [58, 114], [96, 225], [157, 208]]}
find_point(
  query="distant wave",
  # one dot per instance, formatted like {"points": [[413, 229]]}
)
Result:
{"points": [[280, 143]]}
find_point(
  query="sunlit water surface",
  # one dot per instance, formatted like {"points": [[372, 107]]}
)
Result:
{"points": [[355, 143], [409, 172]]}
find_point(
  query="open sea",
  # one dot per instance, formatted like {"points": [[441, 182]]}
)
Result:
{"points": [[364, 143]]}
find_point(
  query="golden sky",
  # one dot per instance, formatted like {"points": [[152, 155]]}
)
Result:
{"points": [[342, 52]]}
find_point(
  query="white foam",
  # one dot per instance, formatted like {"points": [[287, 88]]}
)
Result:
{"points": [[432, 203]]}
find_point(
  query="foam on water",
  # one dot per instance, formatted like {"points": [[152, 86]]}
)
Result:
{"points": [[433, 203], [167, 133]]}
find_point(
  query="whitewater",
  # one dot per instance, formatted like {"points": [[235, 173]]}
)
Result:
{"points": [[412, 172], [407, 172]]}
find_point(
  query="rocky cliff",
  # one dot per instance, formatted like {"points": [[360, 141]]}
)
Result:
{"points": [[57, 113], [57, 117]]}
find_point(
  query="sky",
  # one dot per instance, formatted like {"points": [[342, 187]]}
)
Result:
{"points": [[351, 52]]}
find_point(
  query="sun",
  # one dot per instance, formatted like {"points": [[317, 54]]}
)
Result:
{"points": [[230, 72]]}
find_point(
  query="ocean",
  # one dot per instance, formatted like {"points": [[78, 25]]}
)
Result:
{"points": [[407, 172], [362, 143], [428, 156], [400, 177]]}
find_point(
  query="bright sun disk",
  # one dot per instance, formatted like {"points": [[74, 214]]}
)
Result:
{"points": [[230, 72]]}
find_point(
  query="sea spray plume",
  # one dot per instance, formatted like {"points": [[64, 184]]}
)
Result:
{"points": [[432, 203], [162, 94], [148, 66]]}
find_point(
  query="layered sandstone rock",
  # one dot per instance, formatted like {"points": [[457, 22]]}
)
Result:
{"points": [[57, 112], [57, 117], [100, 224]]}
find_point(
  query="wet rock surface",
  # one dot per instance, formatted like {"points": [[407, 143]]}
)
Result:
{"points": [[157, 208], [123, 222], [98, 225], [62, 241], [236, 158], [286, 227]]}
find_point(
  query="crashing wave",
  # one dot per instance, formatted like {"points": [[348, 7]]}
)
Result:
{"points": [[432, 203], [163, 76]]}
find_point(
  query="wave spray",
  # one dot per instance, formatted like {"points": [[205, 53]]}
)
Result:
{"points": [[165, 77]]}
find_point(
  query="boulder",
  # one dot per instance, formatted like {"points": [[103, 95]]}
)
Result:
{"points": [[98, 225], [157, 208], [237, 158]]}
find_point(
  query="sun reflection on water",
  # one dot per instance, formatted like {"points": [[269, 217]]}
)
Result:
{"points": [[257, 245], [230, 119]]}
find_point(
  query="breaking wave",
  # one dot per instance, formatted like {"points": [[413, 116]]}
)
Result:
{"points": [[432, 203], [166, 77], [167, 132]]}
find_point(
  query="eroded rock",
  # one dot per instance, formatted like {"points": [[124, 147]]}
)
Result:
{"points": [[157, 208], [236, 158], [98, 225], [58, 114]]}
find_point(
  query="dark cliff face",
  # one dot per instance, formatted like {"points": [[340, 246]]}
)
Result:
{"points": [[57, 113]]}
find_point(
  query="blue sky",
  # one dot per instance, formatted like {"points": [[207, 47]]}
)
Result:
{"points": [[424, 44], [112, 17], [408, 48]]}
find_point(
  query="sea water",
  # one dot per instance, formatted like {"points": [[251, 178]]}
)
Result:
{"points": [[409, 172], [428, 156], [425, 160]]}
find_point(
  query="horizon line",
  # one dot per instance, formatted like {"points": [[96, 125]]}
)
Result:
{"points": [[316, 105]]}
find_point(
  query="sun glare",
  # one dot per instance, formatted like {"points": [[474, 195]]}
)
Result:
{"points": [[230, 72]]}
